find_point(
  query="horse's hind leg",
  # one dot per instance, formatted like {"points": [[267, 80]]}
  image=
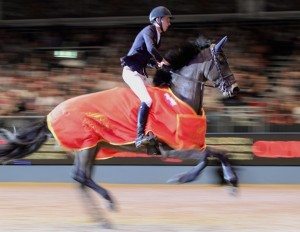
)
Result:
{"points": [[84, 161], [192, 174]]}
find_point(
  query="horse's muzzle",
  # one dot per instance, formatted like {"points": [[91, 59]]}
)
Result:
{"points": [[235, 90], [232, 91]]}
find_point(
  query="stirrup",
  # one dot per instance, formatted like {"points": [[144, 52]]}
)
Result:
{"points": [[143, 140]]}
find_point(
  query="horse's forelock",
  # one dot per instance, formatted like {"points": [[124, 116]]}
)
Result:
{"points": [[201, 42]]}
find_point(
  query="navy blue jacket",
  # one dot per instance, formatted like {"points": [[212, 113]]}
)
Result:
{"points": [[143, 49]]}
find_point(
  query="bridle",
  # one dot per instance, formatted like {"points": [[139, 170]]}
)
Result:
{"points": [[221, 80]]}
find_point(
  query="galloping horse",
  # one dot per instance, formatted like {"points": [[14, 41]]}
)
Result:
{"points": [[83, 124]]}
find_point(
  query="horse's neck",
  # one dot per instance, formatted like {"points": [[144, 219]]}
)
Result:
{"points": [[186, 85]]}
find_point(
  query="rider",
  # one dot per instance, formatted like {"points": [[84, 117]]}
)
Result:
{"points": [[143, 52]]}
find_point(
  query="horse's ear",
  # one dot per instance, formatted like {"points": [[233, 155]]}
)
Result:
{"points": [[220, 44]]}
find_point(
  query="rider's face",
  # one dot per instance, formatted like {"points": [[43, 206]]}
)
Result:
{"points": [[166, 22]]}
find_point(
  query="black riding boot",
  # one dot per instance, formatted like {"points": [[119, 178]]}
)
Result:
{"points": [[142, 139]]}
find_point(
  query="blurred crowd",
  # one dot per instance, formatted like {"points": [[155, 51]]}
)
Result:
{"points": [[32, 9], [264, 58]]}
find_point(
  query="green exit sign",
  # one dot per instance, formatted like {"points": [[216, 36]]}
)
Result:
{"points": [[66, 54]]}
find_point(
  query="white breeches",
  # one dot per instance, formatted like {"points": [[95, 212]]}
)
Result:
{"points": [[137, 84]]}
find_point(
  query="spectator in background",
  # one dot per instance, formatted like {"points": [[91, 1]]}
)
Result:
{"points": [[284, 106]]}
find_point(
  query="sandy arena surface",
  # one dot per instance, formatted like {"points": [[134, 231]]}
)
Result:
{"points": [[63, 207]]}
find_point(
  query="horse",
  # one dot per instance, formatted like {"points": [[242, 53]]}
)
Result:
{"points": [[191, 65]]}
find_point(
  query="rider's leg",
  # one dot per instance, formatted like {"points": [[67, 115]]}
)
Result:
{"points": [[141, 124], [136, 82]]}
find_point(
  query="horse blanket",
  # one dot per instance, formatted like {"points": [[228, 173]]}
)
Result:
{"points": [[111, 116]]}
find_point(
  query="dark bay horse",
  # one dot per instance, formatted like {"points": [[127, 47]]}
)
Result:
{"points": [[191, 66]]}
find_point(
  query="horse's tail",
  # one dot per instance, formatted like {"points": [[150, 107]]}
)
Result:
{"points": [[16, 145]]}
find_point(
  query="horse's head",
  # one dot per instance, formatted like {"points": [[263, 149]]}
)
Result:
{"points": [[194, 63], [219, 72]]}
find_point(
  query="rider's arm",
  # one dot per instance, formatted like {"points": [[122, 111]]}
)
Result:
{"points": [[148, 36]]}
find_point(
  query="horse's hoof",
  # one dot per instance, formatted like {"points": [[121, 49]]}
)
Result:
{"points": [[107, 225], [232, 181], [173, 180], [181, 179], [111, 204], [232, 186], [112, 207], [233, 191]]}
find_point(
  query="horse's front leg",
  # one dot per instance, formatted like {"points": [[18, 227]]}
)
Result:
{"points": [[229, 174]]}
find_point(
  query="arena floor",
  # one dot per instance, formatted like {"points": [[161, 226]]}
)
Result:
{"points": [[195, 207]]}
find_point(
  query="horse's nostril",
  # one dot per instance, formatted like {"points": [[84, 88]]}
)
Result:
{"points": [[236, 90]]}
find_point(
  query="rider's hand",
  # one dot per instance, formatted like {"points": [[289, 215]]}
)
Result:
{"points": [[162, 63]]}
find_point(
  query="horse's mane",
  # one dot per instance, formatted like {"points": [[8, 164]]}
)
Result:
{"points": [[179, 57]]}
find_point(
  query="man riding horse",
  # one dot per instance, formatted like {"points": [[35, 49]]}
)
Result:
{"points": [[143, 51]]}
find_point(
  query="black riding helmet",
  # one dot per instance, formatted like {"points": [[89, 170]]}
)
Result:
{"points": [[159, 12]]}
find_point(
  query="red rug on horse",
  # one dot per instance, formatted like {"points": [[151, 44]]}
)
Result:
{"points": [[111, 116]]}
